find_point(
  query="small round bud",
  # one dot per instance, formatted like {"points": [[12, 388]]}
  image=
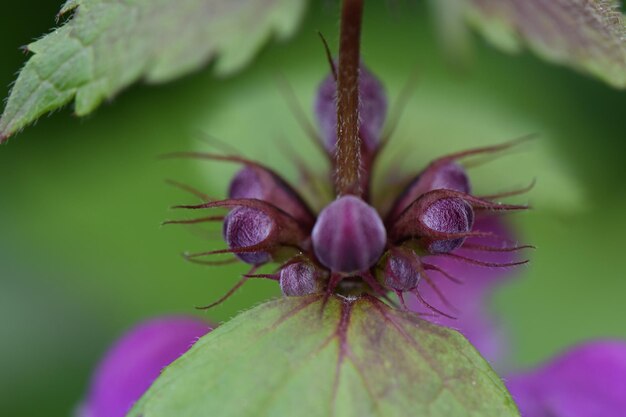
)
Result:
{"points": [[246, 226], [300, 278], [246, 184], [450, 176], [261, 184], [448, 215], [349, 235], [372, 110], [401, 270]]}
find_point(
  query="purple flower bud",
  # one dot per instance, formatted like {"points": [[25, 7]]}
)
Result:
{"points": [[448, 175], [472, 298], [349, 235], [300, 278], [401, 270], [588, 381], [448, 215], [135, 361], [372, 110], [259, 183], [247, 226], [246, 184]]}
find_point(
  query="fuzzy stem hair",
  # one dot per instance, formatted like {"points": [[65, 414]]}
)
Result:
{"points": [[348, 156]]}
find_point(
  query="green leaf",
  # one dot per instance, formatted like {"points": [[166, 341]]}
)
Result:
{"points": [[359, 358], [108, 44], [589, 35]]}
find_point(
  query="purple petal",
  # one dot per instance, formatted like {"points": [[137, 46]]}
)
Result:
{"points": [[471, 297], [587, 381], [136, 360]]}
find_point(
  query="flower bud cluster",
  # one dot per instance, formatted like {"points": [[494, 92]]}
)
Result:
{"points": [[352, 239]]}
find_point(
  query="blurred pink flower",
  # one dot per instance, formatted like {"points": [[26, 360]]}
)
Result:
{"points": [[136, 360], [586, 381]]}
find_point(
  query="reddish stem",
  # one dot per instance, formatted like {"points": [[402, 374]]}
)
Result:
{"points": [[348, 157]]}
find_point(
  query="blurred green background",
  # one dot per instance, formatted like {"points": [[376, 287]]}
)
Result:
{"points": [[83, 255]]}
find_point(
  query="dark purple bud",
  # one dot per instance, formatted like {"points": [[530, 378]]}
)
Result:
{"points": [[245, 227], [448, 215], [349, 235], [401, 270], [372, 110], [135, 361], [262, 184], [246, 184], [448, 175], [301, 278]]}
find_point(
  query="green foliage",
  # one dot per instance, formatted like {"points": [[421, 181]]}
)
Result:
{"points": [[107, 45], [357, 358], [589, 35]]}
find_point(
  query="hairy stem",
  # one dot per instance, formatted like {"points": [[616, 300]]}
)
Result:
{"points": [[348, 157]]}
